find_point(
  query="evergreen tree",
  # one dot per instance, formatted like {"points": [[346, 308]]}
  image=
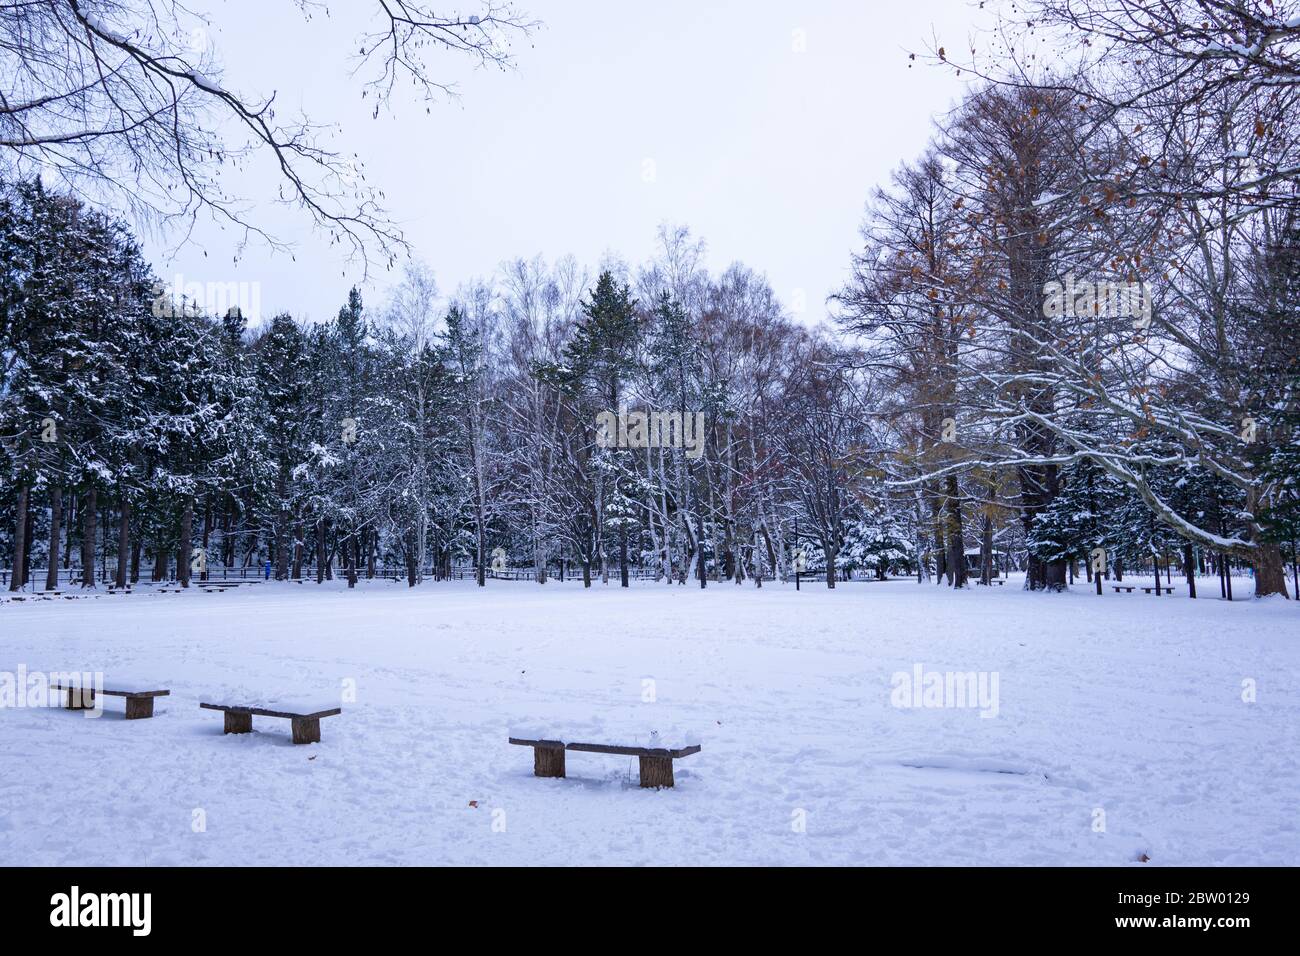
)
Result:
{"points": [[282, 380]]}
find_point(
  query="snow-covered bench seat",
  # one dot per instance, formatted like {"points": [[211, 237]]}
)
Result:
{"points": [[139, 698], [656, 751], [304, 718], [1122, 587], [1164, 589]]}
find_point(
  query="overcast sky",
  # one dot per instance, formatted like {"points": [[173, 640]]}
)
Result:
{"points": [[761, 125]]}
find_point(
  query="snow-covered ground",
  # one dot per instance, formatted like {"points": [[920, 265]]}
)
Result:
{"points": [[1124, 712]]}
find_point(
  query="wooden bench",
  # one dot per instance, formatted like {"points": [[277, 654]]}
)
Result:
{"points": [[304, 720], [656, 763], [139, 702], [1122, 587], [1164, 589]]}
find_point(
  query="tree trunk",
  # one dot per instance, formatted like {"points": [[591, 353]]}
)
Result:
{"points": [[986, 552], [29, 537], [69, 524], [16, 576], [282, 519], [123, 543], [940, 548], [183, 553], [622, 553], [481, 574], [699, 549], [56, 515], [956, 537], [89, 529], [207, 533], [298, 547], [350, 558], [1270, 572], [320, 550]]}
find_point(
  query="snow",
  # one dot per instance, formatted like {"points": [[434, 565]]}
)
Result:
{"points": [[600, 731], [1123, 708], [99, 26], [130, 686], [205, 82], [281, 703]]}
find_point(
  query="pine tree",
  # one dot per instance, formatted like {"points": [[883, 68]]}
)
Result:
{"points": [[282, 378]]}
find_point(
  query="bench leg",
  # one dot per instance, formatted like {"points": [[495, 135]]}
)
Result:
{"points": [[656, 771], [548, 762], [238, 723], [81, 698], [306, 730], [139, 708]]}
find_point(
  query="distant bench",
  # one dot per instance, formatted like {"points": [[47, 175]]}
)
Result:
{"points": [[1164, 589], [304, 720], [139, 703], [656, 762], [1122, 587]]}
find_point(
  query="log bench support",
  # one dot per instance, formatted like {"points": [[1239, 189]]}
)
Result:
{"points": [[656, 772], [237, 723], [548, 761], [306, 730], [81, 698], [139, 708]]}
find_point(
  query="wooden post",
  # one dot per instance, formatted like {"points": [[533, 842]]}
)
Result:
{"points": [[238, 723], [548, 761], [306, 730], [656, 771], [139, 708], [81, 698]]}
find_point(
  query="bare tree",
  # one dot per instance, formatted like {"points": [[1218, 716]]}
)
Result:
{"points": [[116, 100]]}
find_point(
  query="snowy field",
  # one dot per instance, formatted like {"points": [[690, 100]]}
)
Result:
{"points": [[1125, 711]]}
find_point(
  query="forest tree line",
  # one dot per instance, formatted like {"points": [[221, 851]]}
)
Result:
{"points": [[148, 438], [423, 433]]}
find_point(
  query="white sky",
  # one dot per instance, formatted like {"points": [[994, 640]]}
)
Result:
{"points": [[766, 152]]}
